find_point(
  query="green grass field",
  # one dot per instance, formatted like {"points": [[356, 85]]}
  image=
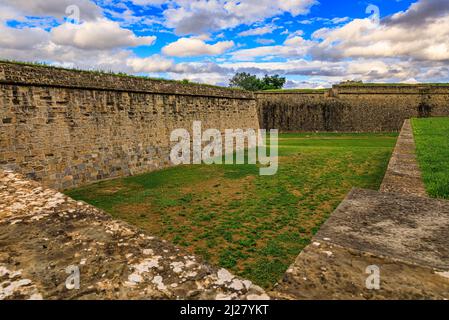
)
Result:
{"points": [[432, 148], [233, 217]]}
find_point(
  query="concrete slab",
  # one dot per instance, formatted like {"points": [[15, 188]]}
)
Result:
{"points": [[405, 237], [410, 228], [326, 271]]}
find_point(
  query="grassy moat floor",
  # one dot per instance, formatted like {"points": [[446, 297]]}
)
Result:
{"points": [[252, 225], [432, 149]]}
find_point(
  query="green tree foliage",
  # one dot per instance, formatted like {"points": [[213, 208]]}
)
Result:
{"points": [[273, 83], [251, 82]]}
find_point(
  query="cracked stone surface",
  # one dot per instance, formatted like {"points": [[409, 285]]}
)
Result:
{"points": [[409, 228], [406, 237], [43, 232], [343, 275]]}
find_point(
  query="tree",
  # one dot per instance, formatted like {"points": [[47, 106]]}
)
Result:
{"points": [[251, 82], [245, 81], [273, 83]]}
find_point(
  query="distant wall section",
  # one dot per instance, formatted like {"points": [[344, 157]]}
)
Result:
{"points": [[358, 108]]}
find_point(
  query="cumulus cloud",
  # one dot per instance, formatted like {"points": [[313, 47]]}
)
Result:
{"points": [[96, 43], [99, 34], [257, 31], [295, 46], [196, 17], [53, 8], [148, 2], [190, 47], [265, 41], [364, 38], [21, 39], [420, 13], [153, 64]]}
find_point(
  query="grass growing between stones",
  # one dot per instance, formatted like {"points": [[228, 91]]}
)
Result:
{"points": [[252, 225], [432, 148]]}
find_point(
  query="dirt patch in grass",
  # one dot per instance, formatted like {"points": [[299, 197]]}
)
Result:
{"points": [[233, 217]]}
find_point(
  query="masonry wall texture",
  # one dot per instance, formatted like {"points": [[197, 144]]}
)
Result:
{"points": [[357, 108], [68, 128]]}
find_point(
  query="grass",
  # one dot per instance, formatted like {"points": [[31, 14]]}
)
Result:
{"points": [[432, 148], [295, 91], [352, 84], [116, 74], [233, 217]]}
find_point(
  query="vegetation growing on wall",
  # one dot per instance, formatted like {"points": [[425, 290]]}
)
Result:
{"points": [[103, 72]]}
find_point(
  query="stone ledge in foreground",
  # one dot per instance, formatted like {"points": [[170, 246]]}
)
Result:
{"points": [[407, 237], [325, 271], [42, 232]]}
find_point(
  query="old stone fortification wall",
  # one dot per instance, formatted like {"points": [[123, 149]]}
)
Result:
{"points": [[68, 128], [359, 108]]}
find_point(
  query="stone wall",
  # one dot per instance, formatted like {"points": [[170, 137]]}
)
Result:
{"points": [[68, 128], [359, 108]]}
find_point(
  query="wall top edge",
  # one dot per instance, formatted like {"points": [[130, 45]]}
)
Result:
{"points": [[31, 75], [322, 92], [399, 88]]}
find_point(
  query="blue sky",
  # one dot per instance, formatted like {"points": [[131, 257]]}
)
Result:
{"points": [[314, 43]]}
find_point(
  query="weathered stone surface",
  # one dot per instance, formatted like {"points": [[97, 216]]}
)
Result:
{"points": [[328, 271], [29, 75], [68, 128], [407, 237], [403, 174], [43, 232], [410, 228], [361, 108]]}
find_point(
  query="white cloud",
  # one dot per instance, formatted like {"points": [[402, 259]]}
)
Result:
{"points": [[265, 41], [21, 39], [257, 31], [295, 46], [190, 47], [99, 34], [148, 2], [420, 12], [153, 64], [52, 8], [363, 38], [194, 17]]}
